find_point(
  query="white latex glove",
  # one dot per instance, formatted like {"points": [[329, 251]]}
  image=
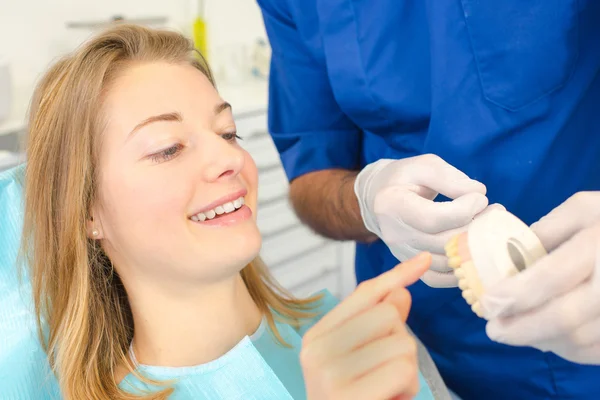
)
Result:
{"points": [[554, 305], [396, 204]]}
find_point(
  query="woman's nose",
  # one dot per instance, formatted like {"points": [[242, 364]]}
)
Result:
{"points": [[224, 160]]}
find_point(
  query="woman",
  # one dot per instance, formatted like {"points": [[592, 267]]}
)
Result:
{"points": [[142, 244]]}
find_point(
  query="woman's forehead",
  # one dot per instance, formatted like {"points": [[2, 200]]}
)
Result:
{"points": [[152, 89]]}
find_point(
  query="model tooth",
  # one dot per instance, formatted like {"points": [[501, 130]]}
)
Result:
{"points": [[469, 296], [452, 250], [476, 307], [454, 262], [463, 284], [452, 245], [451, 254], [459, 273]]}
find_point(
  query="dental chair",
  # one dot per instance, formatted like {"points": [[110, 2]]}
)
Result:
{"points": [[24, 369]]}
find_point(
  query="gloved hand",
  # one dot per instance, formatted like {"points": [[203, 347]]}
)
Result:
{"points": [[396, 204], [554, 305]]}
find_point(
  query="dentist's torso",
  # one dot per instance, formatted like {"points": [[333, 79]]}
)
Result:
{"points": [[508, 92]]}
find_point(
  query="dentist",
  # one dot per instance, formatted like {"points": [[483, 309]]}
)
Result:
{"points": [[383, 109]]}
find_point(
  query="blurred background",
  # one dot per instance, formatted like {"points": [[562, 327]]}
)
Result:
{"points": [[34, 33]]}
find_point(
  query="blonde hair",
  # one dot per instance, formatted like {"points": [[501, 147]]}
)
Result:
{"points": [[78, 296]]}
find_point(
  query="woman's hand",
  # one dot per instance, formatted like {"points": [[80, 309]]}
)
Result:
{"points": [[361, 349]]}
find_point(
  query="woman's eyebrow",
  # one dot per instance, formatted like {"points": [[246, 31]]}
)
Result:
{"points": [[174, 117], [168, 117], [222, 107]]}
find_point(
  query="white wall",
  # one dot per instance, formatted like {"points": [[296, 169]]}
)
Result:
{"points": [[33, 32]]}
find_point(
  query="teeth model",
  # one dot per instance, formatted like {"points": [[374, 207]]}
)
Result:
{"points": [[496, 245]]}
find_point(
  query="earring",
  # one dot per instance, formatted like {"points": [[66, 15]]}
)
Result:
{"points": [[95, 233]]}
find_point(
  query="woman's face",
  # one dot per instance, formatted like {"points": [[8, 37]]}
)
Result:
{"points": [[176, 193]]}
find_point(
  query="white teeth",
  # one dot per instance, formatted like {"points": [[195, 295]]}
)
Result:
{"points": [[229, 207], [219, 210]]}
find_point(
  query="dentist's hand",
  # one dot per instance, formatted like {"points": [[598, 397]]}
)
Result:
{"points": [[396, 204], [361, 349], [554, 305]]}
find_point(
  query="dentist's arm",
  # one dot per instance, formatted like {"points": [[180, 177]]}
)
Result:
{"points": [[325, 201]]}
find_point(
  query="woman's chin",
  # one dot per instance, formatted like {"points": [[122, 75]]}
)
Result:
{"points": [[240, 250]]}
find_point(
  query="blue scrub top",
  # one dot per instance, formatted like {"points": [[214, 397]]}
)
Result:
{"points": [[507, 91]]}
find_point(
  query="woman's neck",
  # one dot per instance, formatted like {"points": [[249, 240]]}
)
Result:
{"points": [[192, 328]]}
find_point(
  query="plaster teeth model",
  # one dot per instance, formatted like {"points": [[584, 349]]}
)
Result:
{"points": [[496, 245]]}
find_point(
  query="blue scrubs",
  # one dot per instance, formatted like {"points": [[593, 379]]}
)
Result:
{"points": [[507, 91]]}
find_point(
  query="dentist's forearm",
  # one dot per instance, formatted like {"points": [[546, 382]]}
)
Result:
{"points": [[325, 201]]}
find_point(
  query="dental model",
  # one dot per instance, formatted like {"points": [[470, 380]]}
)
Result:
{"points": [[496, 245]]}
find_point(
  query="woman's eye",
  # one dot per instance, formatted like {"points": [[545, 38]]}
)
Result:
{"points": [[167, 154], [231, 136]]}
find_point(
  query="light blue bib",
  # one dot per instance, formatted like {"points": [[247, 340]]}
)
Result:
{"points": [[257, 368]]}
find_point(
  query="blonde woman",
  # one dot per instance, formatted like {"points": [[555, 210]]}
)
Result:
{"points": [[142, 247]]}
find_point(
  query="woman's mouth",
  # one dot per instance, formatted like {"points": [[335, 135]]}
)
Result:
{"points": [[218, 211], [227, 213]]}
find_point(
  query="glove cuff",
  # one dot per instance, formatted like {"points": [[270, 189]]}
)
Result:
{"points": [[365, 189]]}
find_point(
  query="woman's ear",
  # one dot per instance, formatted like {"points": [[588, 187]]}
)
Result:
{"points": [[93, 229]]}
